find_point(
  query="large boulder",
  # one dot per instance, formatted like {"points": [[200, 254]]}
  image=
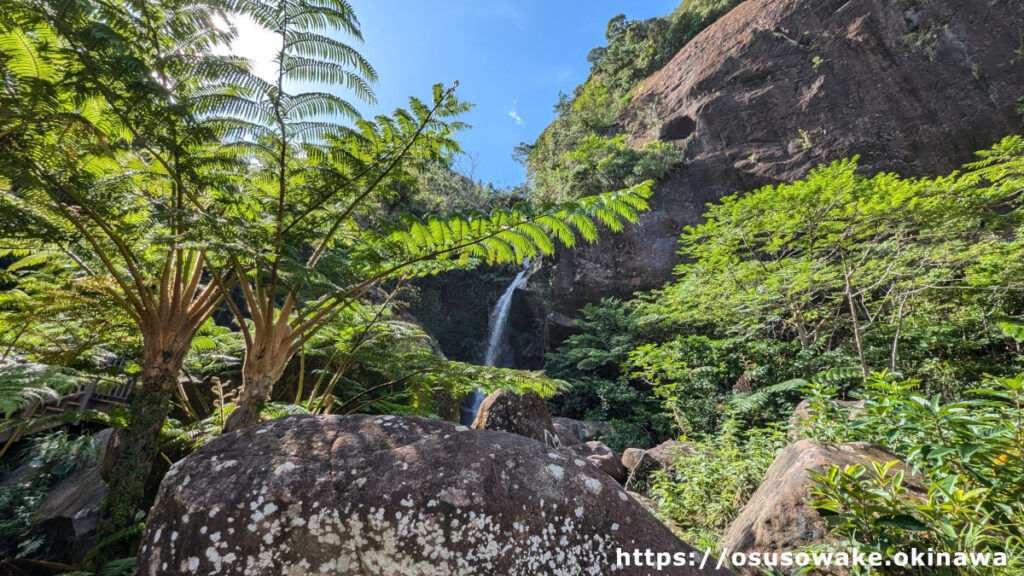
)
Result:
{"points": [[391, 496], [584, 430], [603, 458], [777, 87], [658, 458], [525, 415], [631, 457], [777, 518]]}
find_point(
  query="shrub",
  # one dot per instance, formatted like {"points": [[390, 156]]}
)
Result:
{"points": [[703, 491], [968, 453]]}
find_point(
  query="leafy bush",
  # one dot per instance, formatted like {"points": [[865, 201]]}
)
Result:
{"points": [[703, 491], [899, 273], [693, 374], [591, 362], [837, 273], [599, 164], [968, 454]]}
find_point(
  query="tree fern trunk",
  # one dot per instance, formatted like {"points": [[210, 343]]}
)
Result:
{"points": [[255, 391], [135, 448]]}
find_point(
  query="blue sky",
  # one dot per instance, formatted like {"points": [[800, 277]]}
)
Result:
{"points": [[511, 59]]}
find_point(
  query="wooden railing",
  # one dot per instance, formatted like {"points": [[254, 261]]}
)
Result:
{"points": [[85, 398]]}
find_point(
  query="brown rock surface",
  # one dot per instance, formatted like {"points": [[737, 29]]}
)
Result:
{"points": [[525, 415], [658, 458], [777, 517], [391, 496], [631, 457], [603, 458], [777, 87]]}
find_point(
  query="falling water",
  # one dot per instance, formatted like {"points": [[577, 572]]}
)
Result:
{"points": [[497, 324]]}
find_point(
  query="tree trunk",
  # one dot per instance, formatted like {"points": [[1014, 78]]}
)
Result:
{"points": [[856, 322], [255, 391], [263, 367], [135, 447]]}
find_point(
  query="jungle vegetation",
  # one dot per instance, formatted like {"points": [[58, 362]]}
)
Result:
{"points": [[177, 224], [902, 293], [233, 248]]}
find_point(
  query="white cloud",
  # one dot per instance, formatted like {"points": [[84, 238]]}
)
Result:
{"points": [[514, 114]]}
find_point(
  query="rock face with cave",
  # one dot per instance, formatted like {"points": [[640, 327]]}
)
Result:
{"points": [[777, 87]]}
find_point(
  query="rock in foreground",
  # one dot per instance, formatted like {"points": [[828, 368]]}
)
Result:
{"points": [[356, 495], [777, 517], [526, 415]]}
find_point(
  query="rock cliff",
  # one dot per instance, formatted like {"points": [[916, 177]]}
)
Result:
{"points": [[777, 87]]}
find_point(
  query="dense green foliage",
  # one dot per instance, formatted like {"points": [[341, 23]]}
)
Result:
{"points": [[967, 493], [593, 362], [807, 289], [703, 491], [576, 154], [234, 250], [224, 230], [837, 271]]}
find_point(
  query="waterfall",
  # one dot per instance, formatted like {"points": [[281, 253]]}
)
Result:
{"points": [[498, 321], [497, 324]]}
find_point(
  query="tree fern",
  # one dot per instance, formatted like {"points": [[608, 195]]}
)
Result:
{"points": [[25, 384], [833, 377], [21, 48]]}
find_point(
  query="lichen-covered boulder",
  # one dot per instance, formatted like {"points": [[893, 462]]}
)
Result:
{"points": [[392, 496], [658, 458], [604, 458], [777, 517], [525, 415]]}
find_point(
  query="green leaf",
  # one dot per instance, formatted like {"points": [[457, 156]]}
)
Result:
{"points": [[903, 522]]}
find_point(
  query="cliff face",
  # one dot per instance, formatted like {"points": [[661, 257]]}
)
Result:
{"points": [[777, 87]]}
